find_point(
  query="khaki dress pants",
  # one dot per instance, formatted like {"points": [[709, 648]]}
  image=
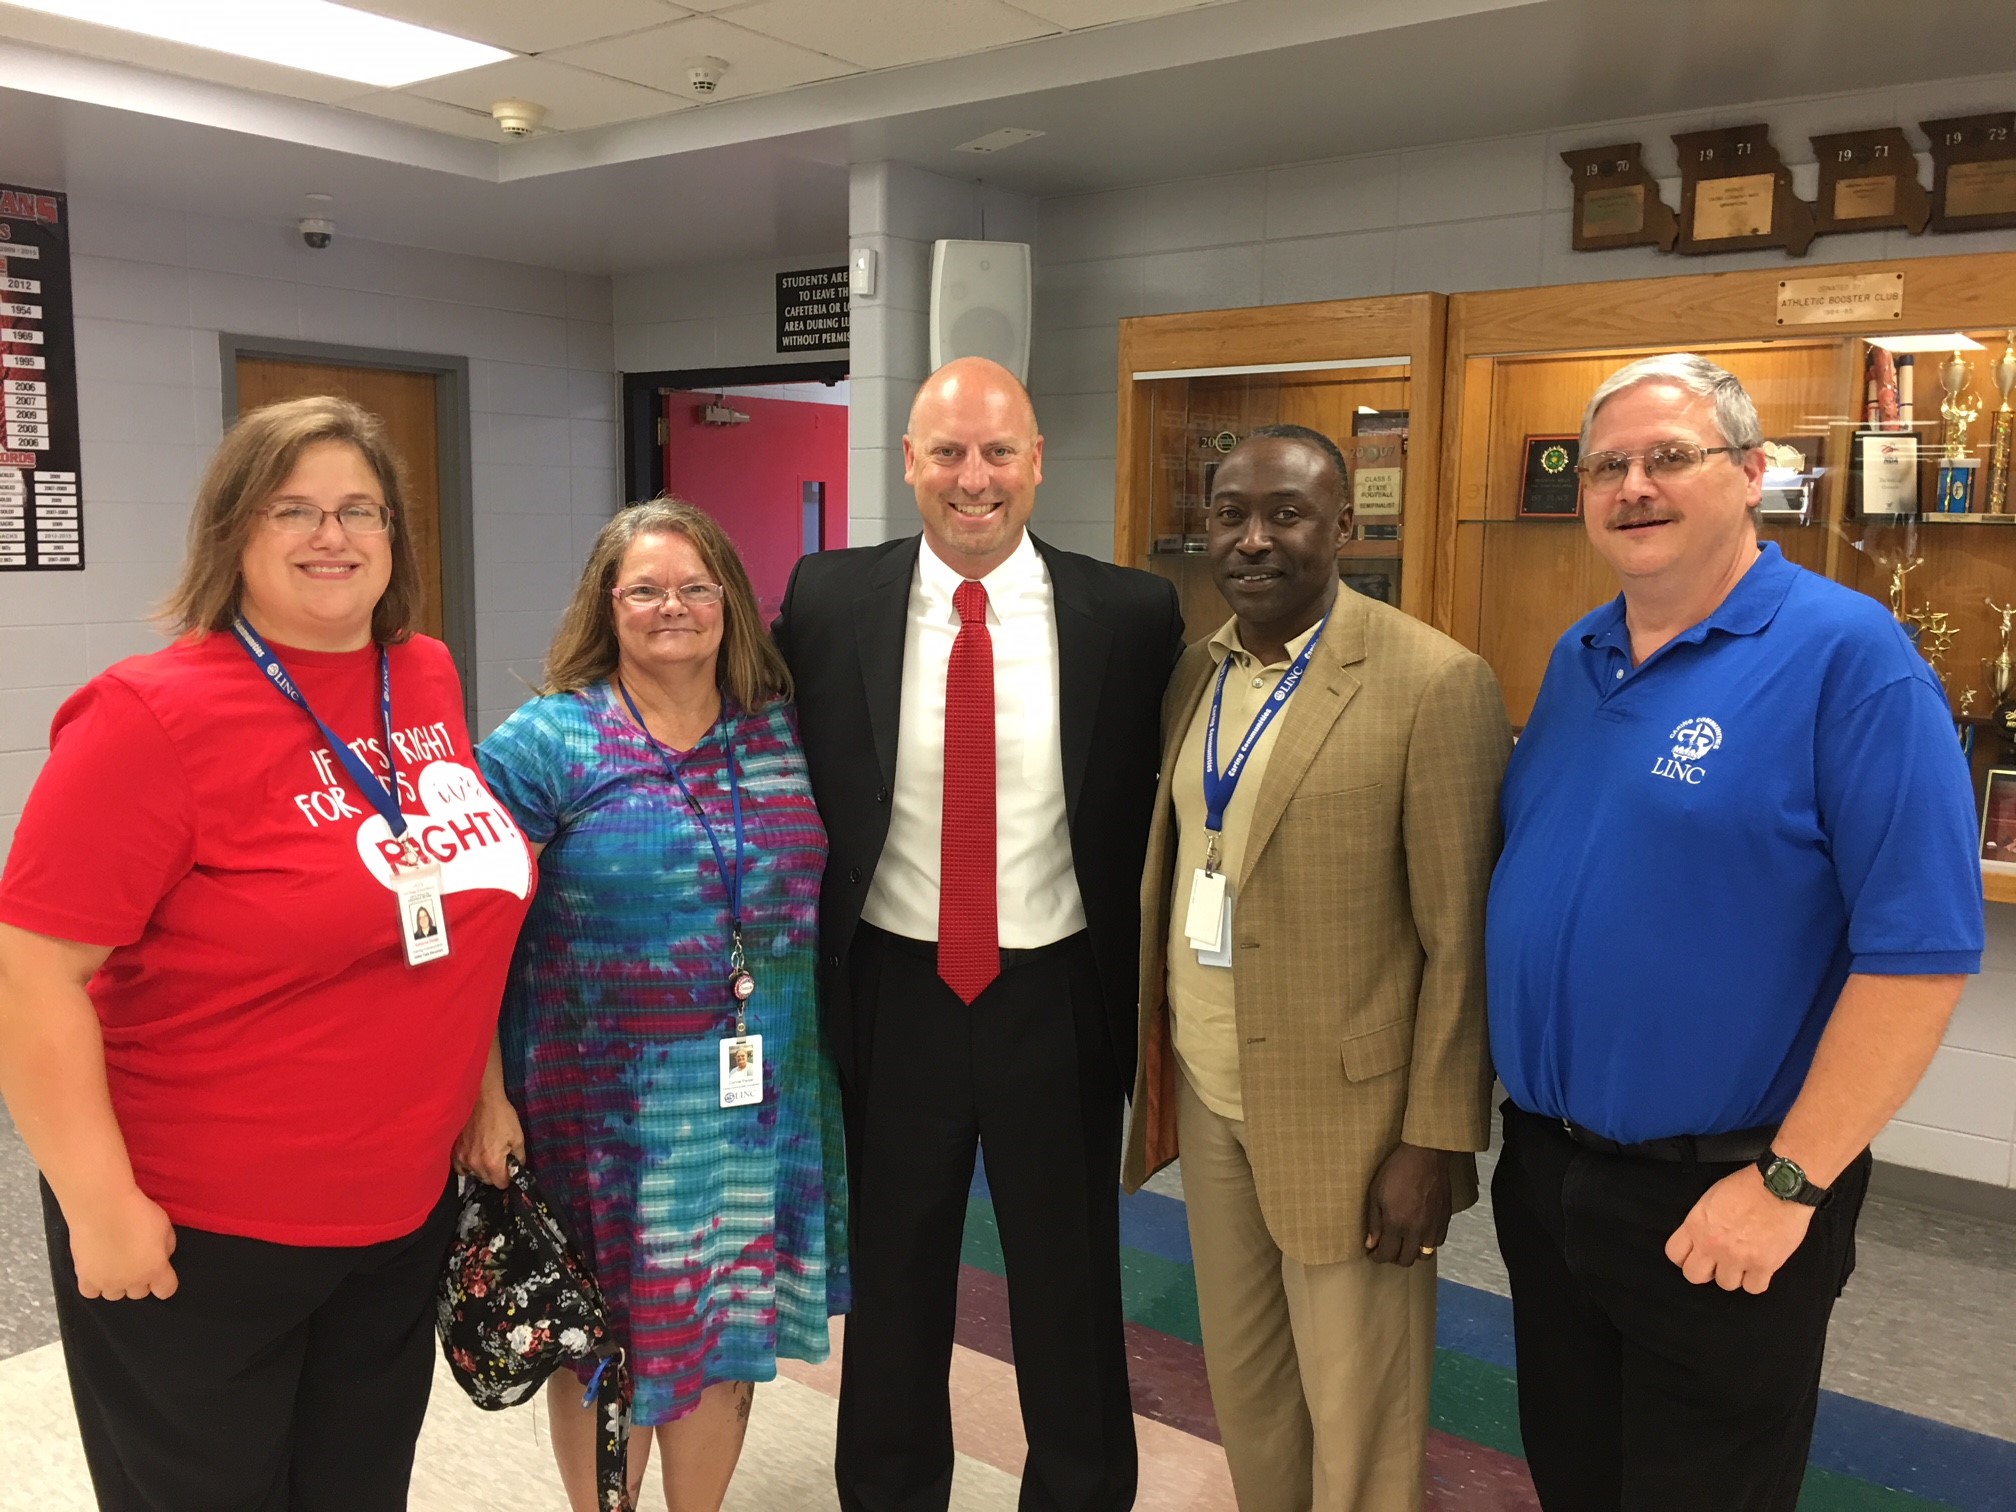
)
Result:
{"points": [[1319, 1373]]}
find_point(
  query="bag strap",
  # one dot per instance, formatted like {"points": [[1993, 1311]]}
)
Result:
{"points": [[610, 1390]]}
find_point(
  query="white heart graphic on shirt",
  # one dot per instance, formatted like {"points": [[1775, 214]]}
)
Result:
{"points": [[464, 828]]}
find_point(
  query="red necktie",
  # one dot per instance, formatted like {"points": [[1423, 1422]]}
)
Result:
{"points": [[969, 933]]}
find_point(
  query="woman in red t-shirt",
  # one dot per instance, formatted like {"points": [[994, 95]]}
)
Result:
{"points": [[253, 934]]}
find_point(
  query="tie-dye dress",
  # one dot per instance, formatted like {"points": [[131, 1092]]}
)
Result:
{"points": [[718, 1233]]}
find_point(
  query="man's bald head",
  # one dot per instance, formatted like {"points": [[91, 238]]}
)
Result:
{"points": [[974, 456], [970, 380]]}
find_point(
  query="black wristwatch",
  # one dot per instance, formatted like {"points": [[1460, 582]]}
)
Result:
{"points": [[1783, 1179]]}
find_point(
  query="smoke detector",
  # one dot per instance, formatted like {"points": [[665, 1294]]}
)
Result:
{"points": [[517, 118], [704, 76]]}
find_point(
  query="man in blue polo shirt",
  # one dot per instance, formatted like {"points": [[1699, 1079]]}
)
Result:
{"points": [[1735, 908]]}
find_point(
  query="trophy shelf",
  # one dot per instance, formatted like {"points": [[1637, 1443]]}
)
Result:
{"points": [[1846, 496]]}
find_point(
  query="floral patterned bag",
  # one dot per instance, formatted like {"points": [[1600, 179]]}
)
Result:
{"points": [[517, 1302]]}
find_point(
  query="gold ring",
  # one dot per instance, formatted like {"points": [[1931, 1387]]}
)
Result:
{"points": [[1427, 1249]]}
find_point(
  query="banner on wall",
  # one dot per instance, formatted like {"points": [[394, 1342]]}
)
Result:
{"points": [[41, 508]]}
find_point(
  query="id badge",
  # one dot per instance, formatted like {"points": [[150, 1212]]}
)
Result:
{"points": [[1221, 954], [423, 921], [1205, 921], [742, 1071]]}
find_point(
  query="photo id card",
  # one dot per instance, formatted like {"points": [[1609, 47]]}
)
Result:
{"points": [[423, 922], [1221, 954], [742, 1071], [1205, 921]]}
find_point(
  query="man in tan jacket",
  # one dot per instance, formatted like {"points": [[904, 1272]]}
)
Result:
{"points": [[1312, 1026]]}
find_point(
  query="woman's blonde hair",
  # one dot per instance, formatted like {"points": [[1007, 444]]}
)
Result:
{"points": [[254, 459], [749, 669]]}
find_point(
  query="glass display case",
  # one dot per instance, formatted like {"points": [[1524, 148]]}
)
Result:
{"points": [[1888, 464], [1192, 386]]}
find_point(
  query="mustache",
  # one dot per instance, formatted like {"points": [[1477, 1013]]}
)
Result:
{"points": [[1635, 514]]}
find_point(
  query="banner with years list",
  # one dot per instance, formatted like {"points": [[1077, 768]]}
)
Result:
{"points": [[41, 509]]}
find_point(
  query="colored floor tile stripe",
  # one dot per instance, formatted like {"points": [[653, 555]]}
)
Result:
{"points": [[1165, 1375], [1866, 1458]]}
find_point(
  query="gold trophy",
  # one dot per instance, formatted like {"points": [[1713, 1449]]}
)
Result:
{"points": [[2003, 716], [1897, 571], [1997, 671], [1935, 636], [2004, 374], [1954, 375]]}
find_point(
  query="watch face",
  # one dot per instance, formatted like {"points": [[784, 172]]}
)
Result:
{"points": [[1783, 1178]]}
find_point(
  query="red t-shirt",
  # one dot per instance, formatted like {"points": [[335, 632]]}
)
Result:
{"points": [[277, 1068]]}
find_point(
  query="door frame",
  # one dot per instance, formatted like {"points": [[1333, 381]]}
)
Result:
{"points": [[451, 461], [643, 395]]}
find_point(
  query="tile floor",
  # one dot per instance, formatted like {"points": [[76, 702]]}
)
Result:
{"points": [[1921, 1415]]}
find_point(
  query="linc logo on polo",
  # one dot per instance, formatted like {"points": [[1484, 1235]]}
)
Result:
{"points": [[1692, 740]]}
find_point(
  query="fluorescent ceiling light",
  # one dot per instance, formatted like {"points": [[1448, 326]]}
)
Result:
{"points": [[313, 35], [1952, 341]]}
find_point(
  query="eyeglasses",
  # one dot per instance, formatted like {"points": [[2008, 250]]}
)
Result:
{"points": [[651, 596], [1668, 462], [306, 519]]}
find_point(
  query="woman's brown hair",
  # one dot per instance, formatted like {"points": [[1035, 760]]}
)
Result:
{"points": [[253, 460], [749, 669]]}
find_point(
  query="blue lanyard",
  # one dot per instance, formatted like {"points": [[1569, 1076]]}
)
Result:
{"points": [[731, 879], [1220, 786], [382, 793]]}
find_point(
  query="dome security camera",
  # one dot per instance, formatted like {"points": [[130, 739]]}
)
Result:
{"points": [[704, 77], [316, 231], [517, 118]]}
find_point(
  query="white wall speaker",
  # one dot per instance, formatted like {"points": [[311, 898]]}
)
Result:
{"points": [[980, 300]]}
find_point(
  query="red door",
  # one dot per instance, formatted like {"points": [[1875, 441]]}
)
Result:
{"points": [[776, 481]]}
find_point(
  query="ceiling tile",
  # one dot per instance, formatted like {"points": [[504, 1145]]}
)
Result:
{"points": [[530, 26], [757, 64], [1076, 15], [112, 45], [574, 98], [889, 33], [395, 105]]}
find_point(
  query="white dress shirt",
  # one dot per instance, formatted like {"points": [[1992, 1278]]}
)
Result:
{"points": [[1036, 889]]}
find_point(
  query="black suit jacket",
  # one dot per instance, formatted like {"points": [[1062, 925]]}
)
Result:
{"points": [[1119, 632]]}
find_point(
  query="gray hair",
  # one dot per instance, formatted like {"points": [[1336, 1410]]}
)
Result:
{"points": [[1735, 413]]}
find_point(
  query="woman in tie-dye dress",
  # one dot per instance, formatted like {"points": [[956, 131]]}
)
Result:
{"points": [[716, 1232]]}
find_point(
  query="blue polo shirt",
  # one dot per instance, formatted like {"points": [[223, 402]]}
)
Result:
{"points": [[1698, 851]]}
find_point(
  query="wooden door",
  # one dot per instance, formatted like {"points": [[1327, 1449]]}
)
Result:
{"points": [[405, 402]]}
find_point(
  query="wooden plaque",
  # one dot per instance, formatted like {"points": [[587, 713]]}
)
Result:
{"points": [[1617, 201], [1869, 182], [1551, 488], [1736, 195], [1973, 171]]}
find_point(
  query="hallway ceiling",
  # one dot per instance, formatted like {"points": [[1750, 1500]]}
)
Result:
{"points": [[1190, 90]]}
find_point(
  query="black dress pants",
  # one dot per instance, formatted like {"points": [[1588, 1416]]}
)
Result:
{"points": [[1026, 1073], [278, 1378], [1640, 1391]]}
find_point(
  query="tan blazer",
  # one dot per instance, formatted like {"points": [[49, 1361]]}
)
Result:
{"points": [[1358, 928]]}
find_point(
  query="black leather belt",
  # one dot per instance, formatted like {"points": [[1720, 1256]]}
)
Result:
{"points": [[1737, 1147]]}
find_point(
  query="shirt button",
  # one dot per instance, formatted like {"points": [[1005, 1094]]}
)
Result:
{"points": [[1257, 682], [1620, 674]]}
